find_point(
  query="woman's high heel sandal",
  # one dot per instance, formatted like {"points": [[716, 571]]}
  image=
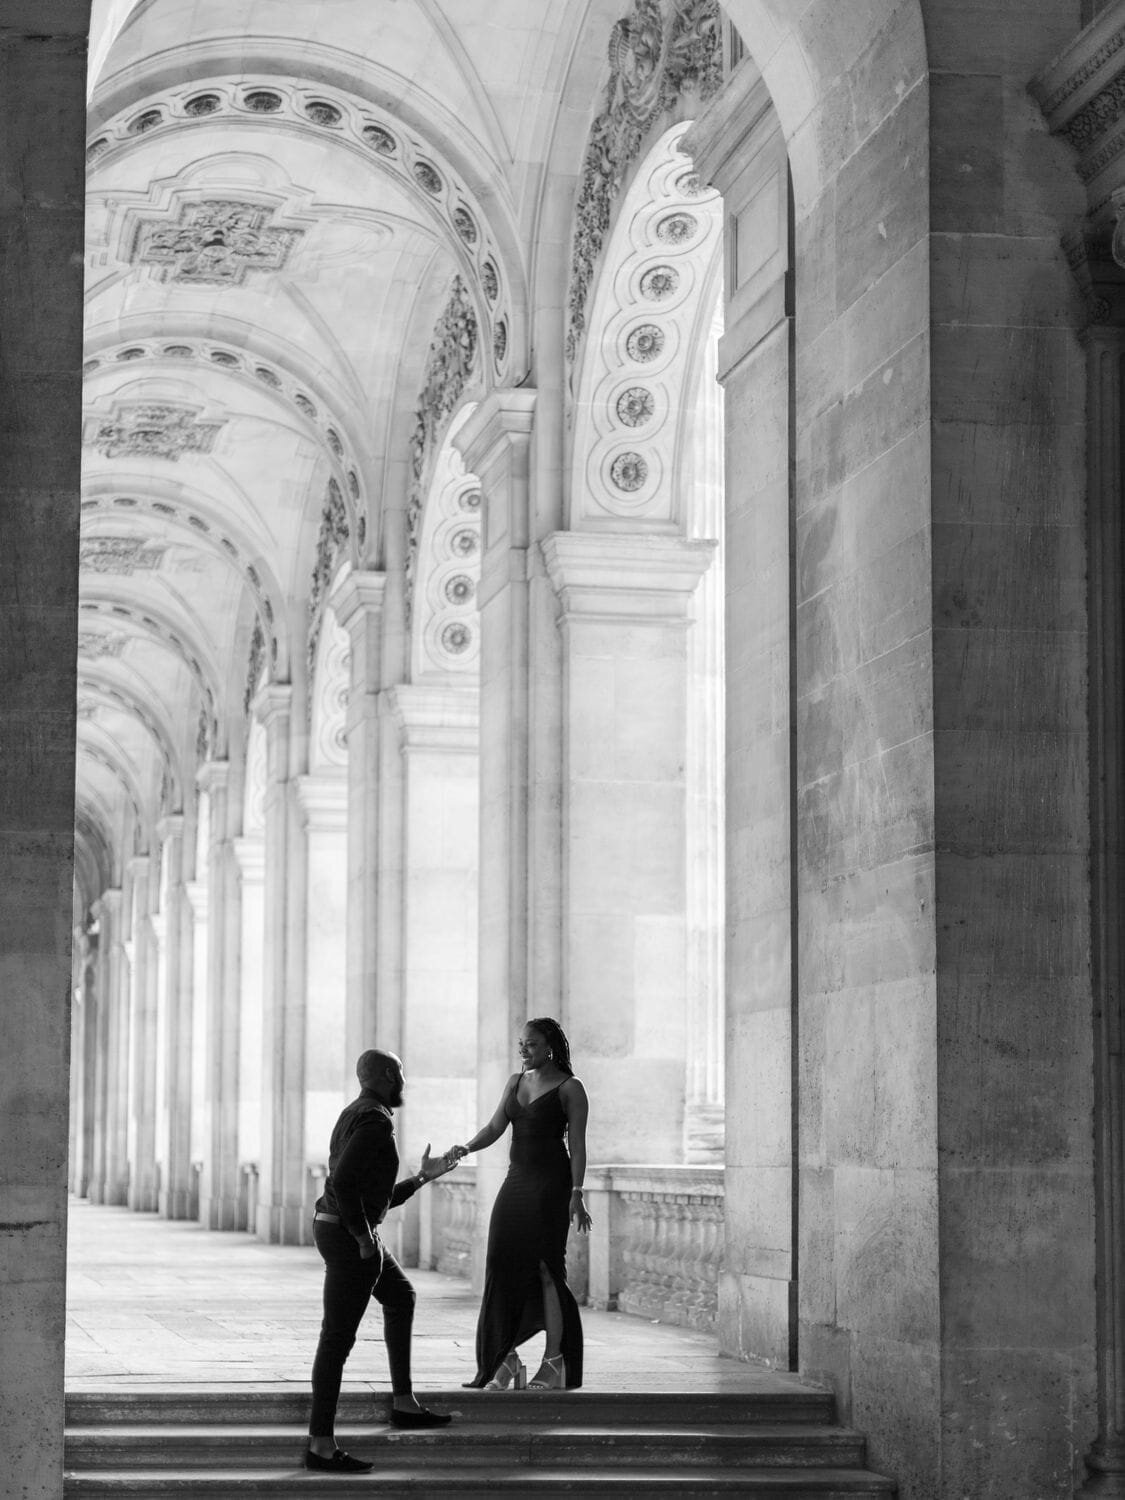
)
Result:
{"points": [[550, 1376], [510, 1373]]}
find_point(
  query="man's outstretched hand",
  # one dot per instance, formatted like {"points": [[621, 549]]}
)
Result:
{"points": [[436, 1166]]}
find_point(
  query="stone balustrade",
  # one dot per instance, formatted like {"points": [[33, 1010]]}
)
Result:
{"points": [[655, 1249]]}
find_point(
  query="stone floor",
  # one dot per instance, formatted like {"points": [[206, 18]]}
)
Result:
{"points": [[157, 1304]]}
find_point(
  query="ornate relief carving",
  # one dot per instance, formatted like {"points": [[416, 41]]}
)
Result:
{"points": [[646, 342], [234, 359], [120, 554], [217, 242], [1095, 118], [635, 406], [150, 430], [449, 368], [331, 541], [256, 661], [628, 472], [656, 53], [312, 108], [95, 643], [659, 282]]}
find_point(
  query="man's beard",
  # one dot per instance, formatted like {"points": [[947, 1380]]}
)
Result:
{"points": [[395, 1101]]}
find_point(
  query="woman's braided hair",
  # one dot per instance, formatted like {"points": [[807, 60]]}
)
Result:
{"points": [[555, 1037]]}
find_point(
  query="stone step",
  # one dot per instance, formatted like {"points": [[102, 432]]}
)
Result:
{"points": [[434, 1482], [286, 1406], [236, 1446]]}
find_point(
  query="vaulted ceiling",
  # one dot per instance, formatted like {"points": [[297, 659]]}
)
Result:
{"points": [[283, 196]]}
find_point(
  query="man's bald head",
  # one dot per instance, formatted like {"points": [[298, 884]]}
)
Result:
{"points": [[381, 1072]]}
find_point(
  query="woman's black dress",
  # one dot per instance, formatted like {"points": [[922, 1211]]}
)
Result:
{"points": [[529, 1224]]}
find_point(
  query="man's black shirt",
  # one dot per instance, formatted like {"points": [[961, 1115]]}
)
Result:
{"points": [[362, 1166]]}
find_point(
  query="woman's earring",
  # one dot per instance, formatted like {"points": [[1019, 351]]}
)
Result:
{"points": [[550, 1057]]}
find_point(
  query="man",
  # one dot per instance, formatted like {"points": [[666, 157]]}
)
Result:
{"points": [[360, 1188]]}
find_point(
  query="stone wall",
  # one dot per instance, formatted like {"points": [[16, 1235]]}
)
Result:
{"points": [[42, 127]]}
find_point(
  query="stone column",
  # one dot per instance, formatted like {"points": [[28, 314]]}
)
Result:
{"points": [[494, 443], [358, 605], [82, 1027], [281, 1182], [198, 908], [738, 146], [42, 127], [106, 910], [142, 1033], [175, 1186], [329, 1068], [438, 731], [250, 864], [218, 1190], [625, 611], [1105, 1460], [117, 1072]]}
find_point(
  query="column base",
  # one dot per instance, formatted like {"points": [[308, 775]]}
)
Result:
{"points": [[284, 1224], [704, 1134], [176, 1203], [144, 1198], [218, 1213], [1106, 1465]]}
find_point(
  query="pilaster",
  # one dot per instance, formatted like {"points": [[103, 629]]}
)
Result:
{"points": [[175, 1187], [358, 604], [738, 147], [218, 1198], [281, 1178], [106, 911], [625, 610], [142, 1192], [437, 733], [495, 442]]}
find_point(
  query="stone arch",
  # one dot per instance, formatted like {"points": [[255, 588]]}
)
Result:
{"points": [[328, 691], [651, 304], [445, 568]]}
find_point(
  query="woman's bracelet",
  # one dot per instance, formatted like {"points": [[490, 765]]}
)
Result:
{"points": [[577, 1190]]}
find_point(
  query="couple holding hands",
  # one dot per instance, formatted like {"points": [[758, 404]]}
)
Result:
{"points": [[525, 1290]]}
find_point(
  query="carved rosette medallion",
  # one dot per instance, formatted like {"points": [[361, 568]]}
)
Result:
{"points": [[635, 406], [677, 229], [659, 283], [500, 342], [428, 177], [93, 644], [217, 242], [465, 225], [470, 501], [456, 637], [464, 542], [320, 112], [628, 472], [459, 589], [645, 343], [150, 430]]}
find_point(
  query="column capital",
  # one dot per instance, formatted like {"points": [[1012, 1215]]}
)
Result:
{"points": [[358, 594], [272, 703], [108, 903], [435, 716], [250, 856], [171, 826], [620, 576], [196, 892], [501, 418], [323, 801], [213, 776], [139, 866]]}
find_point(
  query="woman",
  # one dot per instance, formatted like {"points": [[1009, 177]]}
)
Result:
{"points": [[525, 1288]]}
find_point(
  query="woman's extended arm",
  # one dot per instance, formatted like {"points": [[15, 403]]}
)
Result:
{"points": [[495, 1128], [577, 1107]]}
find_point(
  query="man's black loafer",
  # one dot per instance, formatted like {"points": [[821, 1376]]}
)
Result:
{"points": [[422, 1418], [339, 1463]]}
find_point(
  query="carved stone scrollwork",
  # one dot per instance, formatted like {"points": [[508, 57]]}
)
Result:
{"points": [[331, 541], [449, 368], [657, 53], [254, 668]]}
